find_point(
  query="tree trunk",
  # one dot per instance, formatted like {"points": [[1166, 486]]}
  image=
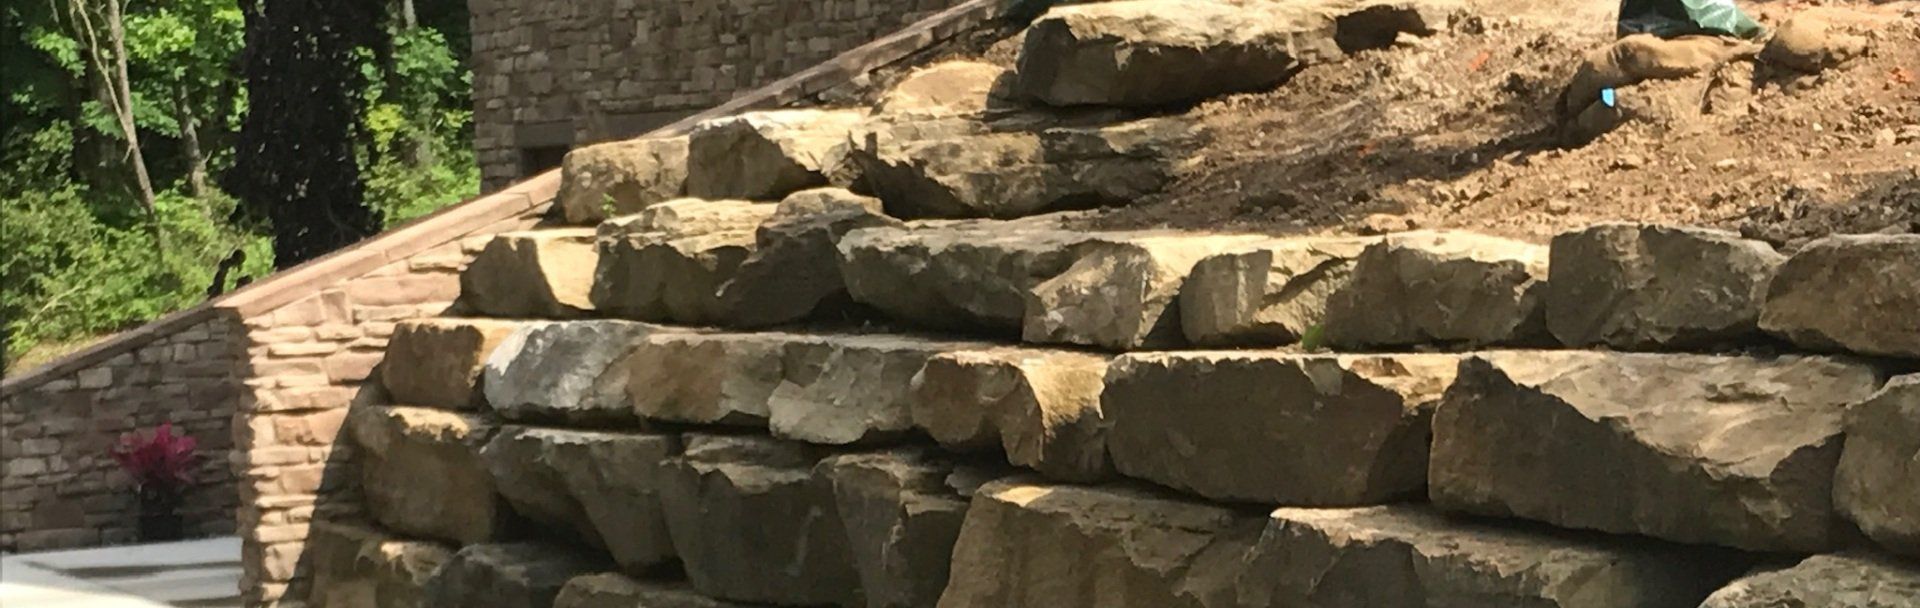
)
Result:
{"points": [[190, 142], [117, 36]]}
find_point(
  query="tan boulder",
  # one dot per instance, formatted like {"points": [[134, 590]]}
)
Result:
{"points": [[1041, 407], [668, 263], [1410, 556], [688, 217], [1731, 451], [1120, 292], [436, 362], [845, 389], [1874, 279], [539, 274], [1452, 288], [354, 566], [1880, 467], [794, 270], [902, 511], [956, 275], [422, 474], [1850, 580], [765, 155], [566, 372], [602, 488], [945, 89], [1811, 43], [717, 378], [622, 177], [616, 591], [752, 525], [509, 575], [1161, 52], [1026, 545], [1640, 286], [1280, 428], [1267, 295]]}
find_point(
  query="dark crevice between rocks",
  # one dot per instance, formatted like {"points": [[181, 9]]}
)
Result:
{"points": [[1376, 27]]}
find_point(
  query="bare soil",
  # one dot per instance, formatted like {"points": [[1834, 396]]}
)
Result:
{"points": [[1459, 130]]}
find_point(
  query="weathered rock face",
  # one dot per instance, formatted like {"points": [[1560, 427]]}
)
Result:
{"points": [[764, 155], [540, 274], [966, 275], [1276, 428], [688, 217], [422, 473], [840, 390], [1160, 52], [622, 177], [616, 591], [1445, 287], [751, 525], [1699, 449], [1410, 556], [1875, 279], [357, 567], [794, 270], [704, 378], [436, 362], [667, 263], [1032, 546], [948, 88], [902, 513], [1638, 286], [565, 372], [1272, 294], [605, 487], [1854, 580], [513, 575], [1042, 407], [971, 172], [1875, 484], [1119, 294]]}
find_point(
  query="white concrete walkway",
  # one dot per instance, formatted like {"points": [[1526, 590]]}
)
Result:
{"points": [[200, 573]]}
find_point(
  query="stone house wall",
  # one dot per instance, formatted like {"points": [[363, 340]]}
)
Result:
{"points": [[548, 76]]}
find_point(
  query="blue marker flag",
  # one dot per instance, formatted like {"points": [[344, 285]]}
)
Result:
{"points": [[1606, 97]]}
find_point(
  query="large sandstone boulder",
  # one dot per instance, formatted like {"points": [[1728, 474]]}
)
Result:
{"points": [[358, 567], [511, 575], [751, 524], [972, 171], [1857, 293], [1845, 580], [1161, 52], [1441, 287], [765, 155], [963, 275], [622, 177], [902, 511], [602, 487], [1639, 286], [1271, 294], [436, 362], [688, 217], [1412, 557], [422, 473], [794, 270], [616, 591], [1041, 407], [1039, 546], [839, 390], [540, 274], [565, 372], [675, 279], [1880, 467], [1731, 451], [1119, 294], [718, 378], [947, 88], [1274, 427]]}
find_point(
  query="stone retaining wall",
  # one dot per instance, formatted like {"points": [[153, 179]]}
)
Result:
{"points": [[559, 75]]}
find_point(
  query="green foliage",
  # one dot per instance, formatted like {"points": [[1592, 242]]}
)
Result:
{"points": [[418, 157]]}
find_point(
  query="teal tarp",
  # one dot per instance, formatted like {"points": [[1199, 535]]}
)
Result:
{"points": [[1670, 18]]}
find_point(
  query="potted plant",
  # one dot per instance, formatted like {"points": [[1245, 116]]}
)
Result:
{"points": [[161, 466]]}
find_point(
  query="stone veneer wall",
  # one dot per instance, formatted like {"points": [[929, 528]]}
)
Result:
{"points": [[552, 75], [60, 486]]}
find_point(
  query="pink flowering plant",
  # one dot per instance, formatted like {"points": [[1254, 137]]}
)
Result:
{"points": [[160, 464]]}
